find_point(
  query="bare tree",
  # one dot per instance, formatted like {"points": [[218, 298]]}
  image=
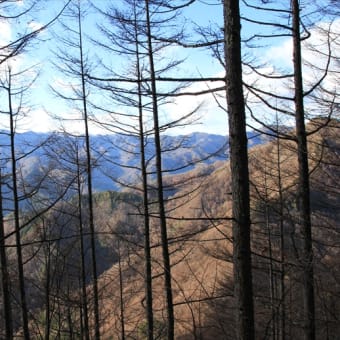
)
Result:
{"points": [[77, 68], [239, 172], [162, 217], [15, 106], [130, 38], [5, 278], [303, 177]]}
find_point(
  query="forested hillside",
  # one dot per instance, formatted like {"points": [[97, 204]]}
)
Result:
{"points": [[200, 243], [201, 247], [169, 169]]}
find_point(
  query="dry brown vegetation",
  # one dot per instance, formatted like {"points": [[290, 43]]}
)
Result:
{"points": [[201, 250], [199, 224]]}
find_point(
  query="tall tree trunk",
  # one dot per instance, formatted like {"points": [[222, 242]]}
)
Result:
{"points": [[5, 279], [24, 309], [162, 217], [69, 312], [89, 185], [147, 250], [303, 178], [48, 254], [271, 273], [121, 293], [282, 305], [85, 315], [243, 288]]}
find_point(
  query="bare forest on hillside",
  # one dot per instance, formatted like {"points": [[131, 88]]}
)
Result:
{"points": [[148, 233]]}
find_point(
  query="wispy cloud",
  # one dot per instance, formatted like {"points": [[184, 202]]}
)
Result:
{"points": [[5, 32], [209, 116]]}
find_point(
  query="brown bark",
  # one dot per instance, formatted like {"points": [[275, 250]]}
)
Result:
{"points": [[303, 179], [89, 184], [84, 299], [147, 249], [22, 289], [162, 217], [5, 279], [243, 290]]}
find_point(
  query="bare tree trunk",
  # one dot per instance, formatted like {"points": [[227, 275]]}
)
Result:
{"points": [[270, 256], [147, 250], [162, 217], [47, 283], [121, 295], [303, 178], [84, 314], [243, 289], [69, 313], [282, 307], [89, 185], [5, 279], [24, 309]]}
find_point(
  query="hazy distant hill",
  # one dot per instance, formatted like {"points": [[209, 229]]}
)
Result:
{"points": [[116, 157]]}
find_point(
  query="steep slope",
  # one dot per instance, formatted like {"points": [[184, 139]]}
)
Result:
{"points": [[201, 249], [198, 208]]}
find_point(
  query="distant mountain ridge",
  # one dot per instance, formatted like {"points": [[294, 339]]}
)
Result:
{"points": [[116, 157]]}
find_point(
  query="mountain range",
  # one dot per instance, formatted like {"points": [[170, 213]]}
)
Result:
{"points": [[115, 157]]}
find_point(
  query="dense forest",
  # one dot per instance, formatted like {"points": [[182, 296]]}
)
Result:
{"points": [[144, 232]]}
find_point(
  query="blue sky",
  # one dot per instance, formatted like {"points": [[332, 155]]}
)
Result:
{"points": [[212, 118]]}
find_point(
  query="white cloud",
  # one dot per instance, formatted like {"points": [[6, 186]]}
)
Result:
{"points": [[278, 60], [38, 121], [5, 32], [41, 121], [280, 54], [316, 51], [208, 117], [212, 119], [34, 25]]}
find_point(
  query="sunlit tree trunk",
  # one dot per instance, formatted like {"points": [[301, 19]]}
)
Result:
{"points": [[147, 249], [47, 279], [282, 306], [303, 179], [22, 289], [89, 184], [84, 302], [162, 217], [243, 288], [5, 279]]}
